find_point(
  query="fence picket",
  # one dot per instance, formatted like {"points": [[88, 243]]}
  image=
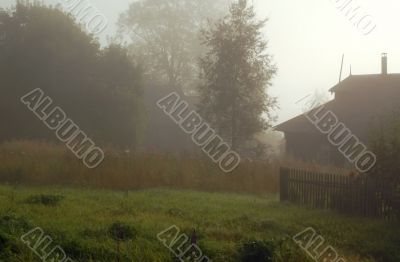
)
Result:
{"points": [[361, 195]]}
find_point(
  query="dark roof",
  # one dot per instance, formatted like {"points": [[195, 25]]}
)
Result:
{"points": [[358, 99], [365, 81], [300, 123]]}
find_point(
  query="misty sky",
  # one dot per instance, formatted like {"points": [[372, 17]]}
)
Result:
{"points": [[307, 39]]}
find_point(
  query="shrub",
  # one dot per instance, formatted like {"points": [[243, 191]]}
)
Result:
{"points": [[46, 200], [288, 251], [11, 226], [8, 247], [121, 232], [3, 241], [257, 251], [10, 223]]}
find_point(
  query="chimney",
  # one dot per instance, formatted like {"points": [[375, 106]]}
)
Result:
{"points": [[384, 64]]}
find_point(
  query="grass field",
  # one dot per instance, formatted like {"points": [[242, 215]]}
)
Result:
{"points": [[79, 220]]}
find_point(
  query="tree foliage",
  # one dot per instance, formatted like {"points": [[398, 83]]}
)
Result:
{"points": [[236, 72], [100, 89], [165, 35], [385, 144]]}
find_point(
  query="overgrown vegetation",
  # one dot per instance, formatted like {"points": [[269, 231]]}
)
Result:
{"points": [[46, 200], [385, 143], [257, 251], [41, 163], [121, 232]]}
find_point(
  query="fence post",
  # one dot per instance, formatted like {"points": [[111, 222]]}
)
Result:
{"points": [[283, 182]]}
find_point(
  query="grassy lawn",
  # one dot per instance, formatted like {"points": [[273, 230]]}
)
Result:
{"points": [[80, 224]]}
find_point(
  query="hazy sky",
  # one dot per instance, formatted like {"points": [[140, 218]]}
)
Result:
{"points": [[307, 39]]}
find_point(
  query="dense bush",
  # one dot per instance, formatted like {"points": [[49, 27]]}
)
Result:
{"points": [[121, 232], [46, 200], [257, 251]]}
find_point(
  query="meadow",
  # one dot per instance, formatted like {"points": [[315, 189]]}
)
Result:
{"points": [[237, 216], [80, 221]]}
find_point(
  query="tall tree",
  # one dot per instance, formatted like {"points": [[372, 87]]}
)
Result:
{"points": [[166, 35], [99, 89], [236, 73]]}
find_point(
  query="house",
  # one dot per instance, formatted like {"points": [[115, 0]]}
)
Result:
{"points": [[359, 102]]}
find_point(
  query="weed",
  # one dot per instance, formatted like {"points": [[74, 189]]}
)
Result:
{"points": [[121, 232], [257, 251], [46, 200]]}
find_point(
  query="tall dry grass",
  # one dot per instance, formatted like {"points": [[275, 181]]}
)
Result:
{"points": [[42, 163]]}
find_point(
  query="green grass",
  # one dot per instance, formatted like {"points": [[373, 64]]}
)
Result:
{"points": [[80, 221]]}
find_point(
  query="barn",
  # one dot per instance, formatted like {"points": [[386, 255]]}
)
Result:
{"points": [[360, 102]]}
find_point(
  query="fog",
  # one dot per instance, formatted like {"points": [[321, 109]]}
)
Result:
{"points": [[179, 130], [307, 39]]}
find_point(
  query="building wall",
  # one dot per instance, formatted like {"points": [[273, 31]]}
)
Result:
{"points": [[313, 148]]}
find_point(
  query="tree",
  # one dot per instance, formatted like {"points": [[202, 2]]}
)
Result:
{"points": [[99, 89], [165, 34], [385, 143], [236, 73]]}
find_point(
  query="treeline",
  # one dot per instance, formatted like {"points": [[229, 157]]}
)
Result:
{"points": [[182, 44], [99, 88]]}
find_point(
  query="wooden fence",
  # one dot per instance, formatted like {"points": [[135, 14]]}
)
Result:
{"points": [[360, 195]]}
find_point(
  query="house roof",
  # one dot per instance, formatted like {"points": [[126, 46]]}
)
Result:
{"points": [[300, 123], [365, 81], [368, 96]]}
